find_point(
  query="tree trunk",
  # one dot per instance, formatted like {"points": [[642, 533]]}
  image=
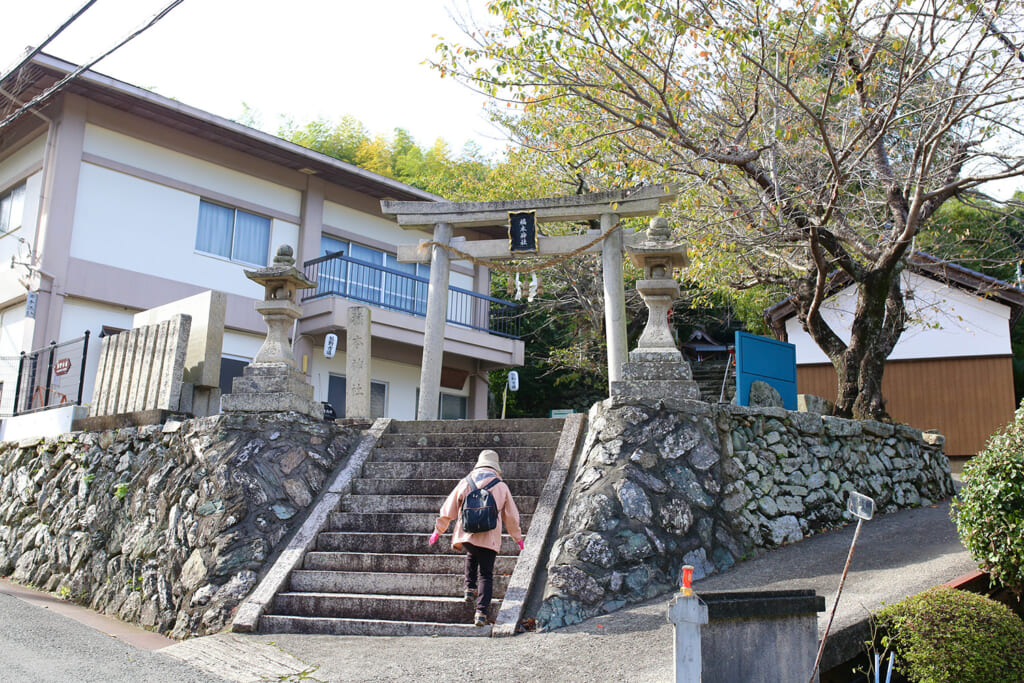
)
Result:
{"points": [[859, 368]]}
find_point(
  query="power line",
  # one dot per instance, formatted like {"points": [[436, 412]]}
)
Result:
{"points": [[56, 87], [39, 48]]}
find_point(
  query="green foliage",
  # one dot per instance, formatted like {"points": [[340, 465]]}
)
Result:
{"points": [[121, 490], [806, 136], [989, 510], [949, 636]]}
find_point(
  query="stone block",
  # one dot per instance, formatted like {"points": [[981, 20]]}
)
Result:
{"points": [[807, 422], [653, 371], [809, 403], [206, 339], [876, 428], [933, 438], [655, 356], [837, 426], [908, 432]]}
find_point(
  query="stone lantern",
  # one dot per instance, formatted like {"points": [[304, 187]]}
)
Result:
{"points": [[658, 257], [272, 382], [656, 372]]}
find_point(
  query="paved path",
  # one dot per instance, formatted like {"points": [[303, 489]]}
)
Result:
{"points": [[897, 555]]}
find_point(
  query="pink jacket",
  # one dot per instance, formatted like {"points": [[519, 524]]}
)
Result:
{"points": [[508, 513]]}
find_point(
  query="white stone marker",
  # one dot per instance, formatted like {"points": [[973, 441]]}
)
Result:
{"points": [[357, 363], [687, 613]]}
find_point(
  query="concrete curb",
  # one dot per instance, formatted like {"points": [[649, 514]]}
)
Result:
{"points": [[523, 575], [247, 617]]}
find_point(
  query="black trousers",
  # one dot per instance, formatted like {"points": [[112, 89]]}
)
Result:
{"points": [[480, 560]]}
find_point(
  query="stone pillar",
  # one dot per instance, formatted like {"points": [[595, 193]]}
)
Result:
{"points": [[357, 363], [687, 613], [433, 333], [614, 297]]}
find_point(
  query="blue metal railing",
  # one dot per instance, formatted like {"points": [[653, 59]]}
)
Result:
{"points": [[338, 275]]}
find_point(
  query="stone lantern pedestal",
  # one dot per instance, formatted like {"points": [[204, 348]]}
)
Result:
{"points": [[272, 382], [656, 370]]}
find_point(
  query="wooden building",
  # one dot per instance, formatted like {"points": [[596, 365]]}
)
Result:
{"points": [[951, 369]]}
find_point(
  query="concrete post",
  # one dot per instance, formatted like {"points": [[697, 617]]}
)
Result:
{"points": [[357, 363], [614, 298], [687, 613], [433, 332]]}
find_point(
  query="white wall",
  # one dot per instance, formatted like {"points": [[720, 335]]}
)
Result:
{"points": [[13, 170], [12, 334], [80, 315], [242, 345], [401, 380], [138, 225], [182, 167], [946, 322]]}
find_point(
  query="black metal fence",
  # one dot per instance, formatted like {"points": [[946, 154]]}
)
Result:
{"points": [[50, 377]]}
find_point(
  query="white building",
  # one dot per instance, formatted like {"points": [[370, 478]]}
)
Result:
{"points": [[952, 368], [114, 200]]}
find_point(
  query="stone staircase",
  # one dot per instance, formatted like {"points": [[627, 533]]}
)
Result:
{"points": [[372, 572], [708, 373]]}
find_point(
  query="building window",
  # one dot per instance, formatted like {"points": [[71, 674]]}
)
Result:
{"points": [[230, 368], [451, 407], [336, 396], [233, 234], [12, 206]]}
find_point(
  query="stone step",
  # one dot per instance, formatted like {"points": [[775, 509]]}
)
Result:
{"points": [[334, 626], [317, 560], [449, 470], [405, 544], [394, 607], [474, 440], [437, 487], [526, 424], [466, 454], [411, 503], [387, 522], [386, 583]]}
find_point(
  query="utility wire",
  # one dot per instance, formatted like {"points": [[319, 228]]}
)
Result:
{"points": [[56, 87], [36, 50]]}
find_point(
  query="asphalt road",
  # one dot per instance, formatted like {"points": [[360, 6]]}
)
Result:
{"points": [[897, 555], [39, 644]]}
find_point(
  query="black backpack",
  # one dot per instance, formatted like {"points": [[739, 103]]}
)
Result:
{"points": [[479, 511]]}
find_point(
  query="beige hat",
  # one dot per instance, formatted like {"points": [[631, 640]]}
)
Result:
{"points": [[489, 458]]}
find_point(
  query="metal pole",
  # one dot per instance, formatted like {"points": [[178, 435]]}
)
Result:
{"points": [[849, 556], [49, 373], [81, 376], [17, 386]]}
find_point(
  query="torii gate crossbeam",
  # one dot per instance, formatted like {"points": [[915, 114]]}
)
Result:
{"points": [[447, 217]]}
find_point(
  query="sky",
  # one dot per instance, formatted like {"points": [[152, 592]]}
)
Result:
{"points": [[300, 59]]}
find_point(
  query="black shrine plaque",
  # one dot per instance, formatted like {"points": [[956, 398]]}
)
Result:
{"points": [[522, 231]]}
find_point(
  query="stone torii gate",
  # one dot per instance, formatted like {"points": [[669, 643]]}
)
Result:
{"points": [[446, 217]]}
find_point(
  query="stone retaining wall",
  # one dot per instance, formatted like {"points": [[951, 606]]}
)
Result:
{"points": [[168, 527], [710, 485]]}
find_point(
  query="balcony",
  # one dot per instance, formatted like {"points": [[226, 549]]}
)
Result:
{"points": [[338, 275]]}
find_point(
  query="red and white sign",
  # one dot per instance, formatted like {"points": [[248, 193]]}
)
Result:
{"points": [[62, 366]]}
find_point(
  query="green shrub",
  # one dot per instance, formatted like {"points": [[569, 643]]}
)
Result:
{"points": [[946, 635], [989, 510]]}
